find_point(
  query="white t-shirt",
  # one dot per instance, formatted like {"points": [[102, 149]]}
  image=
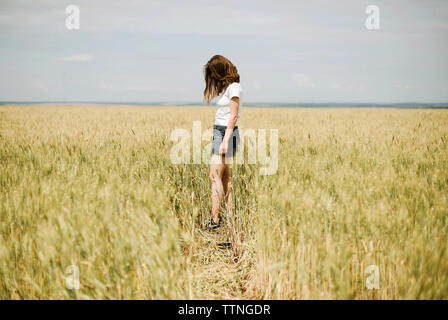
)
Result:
{"points": [[223, 113]]}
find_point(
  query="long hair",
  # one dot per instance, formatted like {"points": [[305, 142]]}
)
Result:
{"points": [[219, 72]]}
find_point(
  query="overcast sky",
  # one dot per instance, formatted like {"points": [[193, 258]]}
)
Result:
{"points": [[286, 51]]}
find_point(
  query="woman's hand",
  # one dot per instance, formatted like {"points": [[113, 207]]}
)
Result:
{"points": [[234, 105], [223, 147]]}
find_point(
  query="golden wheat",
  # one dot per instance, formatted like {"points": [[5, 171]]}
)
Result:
{"points": [[94, 187]]}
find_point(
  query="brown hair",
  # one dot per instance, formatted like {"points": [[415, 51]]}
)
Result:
{"points": [[219, 72]]}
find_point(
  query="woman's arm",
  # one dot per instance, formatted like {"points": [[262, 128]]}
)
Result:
{"points": [[234, 105]]}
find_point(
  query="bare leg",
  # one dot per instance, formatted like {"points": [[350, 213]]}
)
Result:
{"points": [[216, 171], [228, 190]]}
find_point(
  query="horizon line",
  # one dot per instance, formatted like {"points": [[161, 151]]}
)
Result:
{"points": [[197, 103]]}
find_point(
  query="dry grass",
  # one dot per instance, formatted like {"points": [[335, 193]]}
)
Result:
{"points": [[94, 187]]}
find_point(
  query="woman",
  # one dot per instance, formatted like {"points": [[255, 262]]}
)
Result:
{"points": [[222, 81]]}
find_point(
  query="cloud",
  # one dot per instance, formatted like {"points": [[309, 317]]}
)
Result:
{"points": [[404, 86], [302, 81], [348, 87], [256, 85], [78, 57], [40, 86], [130, 87], [441, 25]]}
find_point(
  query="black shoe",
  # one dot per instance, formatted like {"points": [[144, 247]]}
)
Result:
{"points": [[212, 224]]}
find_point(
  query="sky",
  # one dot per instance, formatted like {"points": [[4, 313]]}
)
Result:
{"points": [[285, 51]]}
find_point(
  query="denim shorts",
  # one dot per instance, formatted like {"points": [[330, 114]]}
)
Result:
{"points": [[218, 135]]}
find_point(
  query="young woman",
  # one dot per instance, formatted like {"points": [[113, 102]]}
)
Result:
{"points": [[223, 81]]}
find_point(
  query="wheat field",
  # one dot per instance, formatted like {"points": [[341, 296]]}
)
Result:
{"points": [[94, 187]]}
